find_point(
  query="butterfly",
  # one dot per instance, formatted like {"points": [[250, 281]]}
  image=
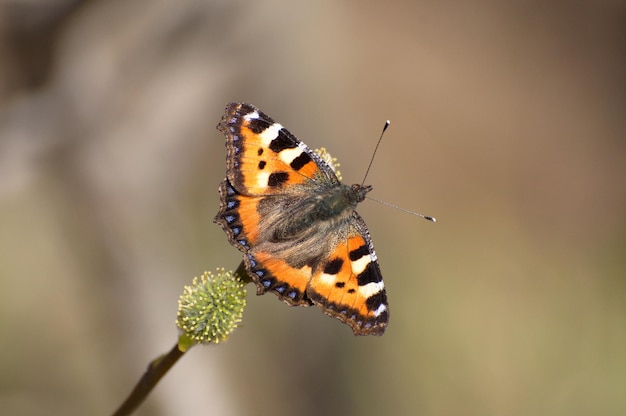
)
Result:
{"points": [[284, 207]]}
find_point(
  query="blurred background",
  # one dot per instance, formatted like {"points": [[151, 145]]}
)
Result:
{"points": [[507, 124]]}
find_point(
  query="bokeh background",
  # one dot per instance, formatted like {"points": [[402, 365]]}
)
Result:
{"points": [[508, 123]]}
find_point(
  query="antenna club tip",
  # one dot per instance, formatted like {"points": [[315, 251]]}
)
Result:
{"points": [[433, 219]]}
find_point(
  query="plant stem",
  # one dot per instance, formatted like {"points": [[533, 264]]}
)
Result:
{"points": [[155, 371]]}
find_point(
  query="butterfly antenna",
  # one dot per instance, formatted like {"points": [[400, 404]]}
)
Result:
{"points": [[426, 217], [417, 214], [387, 123]]}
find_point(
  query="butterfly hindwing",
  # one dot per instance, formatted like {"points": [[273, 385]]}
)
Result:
{"points": [[239, 217]]}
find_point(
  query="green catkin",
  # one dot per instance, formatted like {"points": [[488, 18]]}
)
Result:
{"points": [[211, 308]]}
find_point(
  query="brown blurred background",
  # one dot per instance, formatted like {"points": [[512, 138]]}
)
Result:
{"points": [[508, 123]]}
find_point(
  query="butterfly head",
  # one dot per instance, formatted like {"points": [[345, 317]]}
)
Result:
{"points": [[360, 191]]}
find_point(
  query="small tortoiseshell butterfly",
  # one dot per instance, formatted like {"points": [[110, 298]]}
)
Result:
{"points": [[286, 210]]}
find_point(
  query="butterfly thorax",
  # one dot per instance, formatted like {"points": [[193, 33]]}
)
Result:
{"points": [[338, 200], [324, 208]]}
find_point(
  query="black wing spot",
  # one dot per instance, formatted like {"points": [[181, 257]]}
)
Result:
{"points": [[262, 164], [299, 162], [374, 301], [359, 252], [281, 143], [277, 179], [257, 125], [370, 275], [333, 266]]}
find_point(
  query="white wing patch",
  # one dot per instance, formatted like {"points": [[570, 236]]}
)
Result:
{"points": [[270, 134], [371, 289], [288, 155], [262, 179], [359, 265]]}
